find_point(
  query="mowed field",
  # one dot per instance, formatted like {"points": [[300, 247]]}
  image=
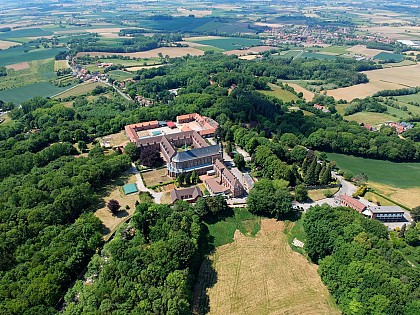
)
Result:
{"points": [[81, 89], [262, 275], [382, 79], [307, 95], [278, 92]]}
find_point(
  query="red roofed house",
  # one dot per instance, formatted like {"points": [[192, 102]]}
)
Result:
{"points": [[347, 201]]}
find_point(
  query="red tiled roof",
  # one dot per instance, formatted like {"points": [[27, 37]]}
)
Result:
{"points": [[353, 203]]}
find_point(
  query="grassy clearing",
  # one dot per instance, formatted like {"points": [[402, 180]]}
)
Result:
{"points": [[81, 89], [262, 275], [24, 93], [295, 230], [229, 43], [370, 118], [280, 93], [401, 175], [156, 177], [113, 139], [339, 50], [120, 75], [242, 220], [409, 98], [318, 194], [115, 191], [61, 64]]}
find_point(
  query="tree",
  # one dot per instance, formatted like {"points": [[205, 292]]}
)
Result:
{"points": [[150, 157], [81, 145], [325, 177], [239, 161], [415, 214], [347, 175], [194, 177], [188, 178], [113, 206], [180, 179], [132, 151], [311, 177], [301, 193]]}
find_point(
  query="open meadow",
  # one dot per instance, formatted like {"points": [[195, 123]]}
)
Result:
{"points": [[280, 93], [261, 275], [81, 89]]}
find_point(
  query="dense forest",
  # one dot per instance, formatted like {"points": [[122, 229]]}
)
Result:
{"points": [[365, 270]]}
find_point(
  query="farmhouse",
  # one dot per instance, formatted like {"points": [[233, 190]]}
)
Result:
{"points": [[190, 194], [385, 213], [347, 201]]}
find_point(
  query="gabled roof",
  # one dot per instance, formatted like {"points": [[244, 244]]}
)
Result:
{"points": [[190, 193], [196, 153], [355, 204]]}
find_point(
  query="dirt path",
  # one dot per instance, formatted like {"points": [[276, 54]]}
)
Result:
{"points": [[262, 275]]}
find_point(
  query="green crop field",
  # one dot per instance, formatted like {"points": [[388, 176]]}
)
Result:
{"points": [[288, 54], [409, 98], [389, 56], [316, 56], [278, 92], [29, 32], [229, 43], [24, 93], [403, 175], [120, 75], [340, 50], [18, 54], [38, 71], [242, 220]]}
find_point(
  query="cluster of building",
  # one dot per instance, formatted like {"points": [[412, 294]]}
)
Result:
{"points": [[382, 213], [322, 108], [399, 127], [184, 149]]}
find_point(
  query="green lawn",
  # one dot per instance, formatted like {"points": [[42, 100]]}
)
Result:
{"points": [[402, 175], [242, 220], [23, 93], [229, 43], [278, 92]]}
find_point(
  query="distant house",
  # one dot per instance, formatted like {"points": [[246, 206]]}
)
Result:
{"points": [[322, 108], [369, 127], [190, 194], [399, 127], [347, 201], [385, 213]]}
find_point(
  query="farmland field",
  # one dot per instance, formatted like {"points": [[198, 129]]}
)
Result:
{"points": [[308, 95], [29, 32], [262, 275], [280, 93], [80, 89], [402, 175], [389, 56], [172, 52], [230, 43], [120, 75], [382, 79], [24, 93], [61, 64], [18, 54], [316, 56]]}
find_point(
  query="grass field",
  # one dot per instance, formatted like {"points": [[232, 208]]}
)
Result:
{"points": [[120, 75], [261, 275], [339, 50], [370, 118], [156, 177], [229, 43], [24, 93], [389, 56], [316, 56], [318, 194], [241, 219], [401, 175], [81, 89], [278, 92], [61, 64], [29, 32], [409, 197]]}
